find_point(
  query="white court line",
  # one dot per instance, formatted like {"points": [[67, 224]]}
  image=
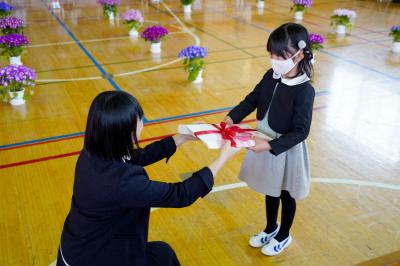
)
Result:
{"points": [[339, 181], [90, 41]]}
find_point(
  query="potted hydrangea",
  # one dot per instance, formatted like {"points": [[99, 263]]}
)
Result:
{"points": [[343, 19], [194, 62], [16, 84], [109, 8], [9, 25], [299, 7], [134, 20], [187, 5], [155, 34], [316, 42], [395, 33], [13, 46], [5, 9]]}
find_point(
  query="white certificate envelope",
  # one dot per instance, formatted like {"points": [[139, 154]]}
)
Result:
{"points": [[214, 140]]}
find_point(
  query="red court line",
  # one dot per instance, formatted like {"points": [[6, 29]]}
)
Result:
{"points": [[58, 156], [80, 136], [52, 157]]}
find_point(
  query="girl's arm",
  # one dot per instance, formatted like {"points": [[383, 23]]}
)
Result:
{"points": [[301, 123], [246, 107]]}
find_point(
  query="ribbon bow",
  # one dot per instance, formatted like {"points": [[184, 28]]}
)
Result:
{"points": [[230, 133]]}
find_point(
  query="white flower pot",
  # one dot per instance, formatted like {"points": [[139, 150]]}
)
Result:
{"points": [[55, 5], [396, 47], [155, 47], [199, 78], [315, 55], [15, 60], [187, 8], [187, 16], [341, 30], [17, 99], [111, 15], [298, 15], [260, 4], [133, 33]]}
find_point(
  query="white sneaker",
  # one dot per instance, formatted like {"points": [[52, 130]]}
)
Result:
{"points": [[262, 238], [274, 247]]}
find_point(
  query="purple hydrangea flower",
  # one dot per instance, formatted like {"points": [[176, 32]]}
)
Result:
{"points": [[109, 2], [192, 52], [154, 33], [11, 25], [13, 40], [305, 3], [316, 38], [16, 77], [395, 28], [133, 15]]}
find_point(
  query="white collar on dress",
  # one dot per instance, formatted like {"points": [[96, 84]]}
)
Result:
{"points": [[292, 82]]}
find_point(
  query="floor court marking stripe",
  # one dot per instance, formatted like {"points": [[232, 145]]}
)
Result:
{"points": [[86, 52], [147, 123], [336, 181], [77, 152]]}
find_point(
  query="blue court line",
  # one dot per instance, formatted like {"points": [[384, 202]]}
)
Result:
{"points": [[98, 66], [42, 140], [318, 93], [190, 115]]}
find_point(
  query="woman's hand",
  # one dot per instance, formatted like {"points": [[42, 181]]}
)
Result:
{"points": [[227, 151], [181, 139], [228, 121], [262, 144]]}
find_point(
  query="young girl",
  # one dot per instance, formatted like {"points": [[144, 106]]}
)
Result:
{"points": [[279, 167]]}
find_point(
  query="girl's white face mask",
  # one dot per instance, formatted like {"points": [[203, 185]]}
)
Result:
{"points": [[282, 67]]}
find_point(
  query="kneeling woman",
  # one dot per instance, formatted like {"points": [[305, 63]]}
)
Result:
{"points": [[112, 195]]}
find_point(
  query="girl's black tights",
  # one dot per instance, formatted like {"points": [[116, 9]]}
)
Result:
{"points": [[287, 215]]}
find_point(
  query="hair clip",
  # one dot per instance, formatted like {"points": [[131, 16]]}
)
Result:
{"points": [[302, 44]]}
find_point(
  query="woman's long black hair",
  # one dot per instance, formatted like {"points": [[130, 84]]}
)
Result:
{"points": [[284, 42], [111, 125]]}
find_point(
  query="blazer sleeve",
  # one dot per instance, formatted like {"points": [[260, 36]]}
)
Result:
{"points": [[139, 191], [301, 123], [155, 152], [247, 106]]}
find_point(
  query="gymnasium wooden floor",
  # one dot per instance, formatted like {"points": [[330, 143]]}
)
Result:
{"points": [[353, 212]]}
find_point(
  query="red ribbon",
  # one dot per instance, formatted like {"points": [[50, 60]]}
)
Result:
{"points": [[229, 133]]}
